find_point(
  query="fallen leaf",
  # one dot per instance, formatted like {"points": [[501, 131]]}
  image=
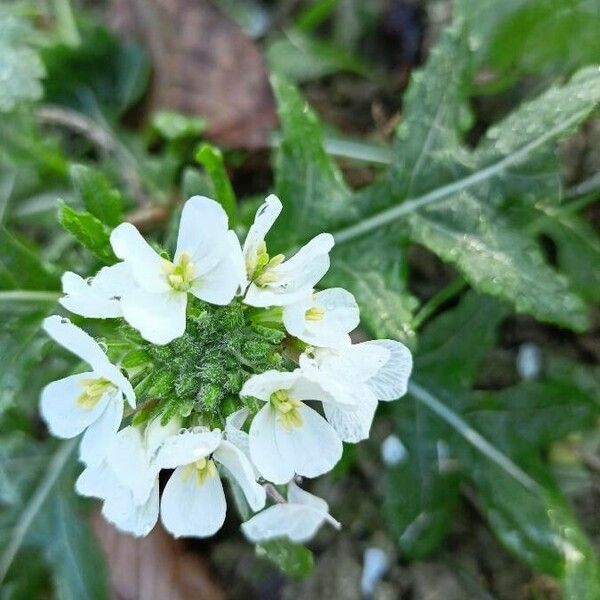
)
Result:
{"points": [[156, 567], [203, 65]]}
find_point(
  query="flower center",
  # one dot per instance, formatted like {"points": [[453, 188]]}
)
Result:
{"points": [[287, 409], [93, 390], [262, 272], [180, 275], [202, 468], [314, 314]]}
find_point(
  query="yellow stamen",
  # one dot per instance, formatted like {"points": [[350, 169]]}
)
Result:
{"points": [[314, 314], [181, 275], [287, 409], [202, 468], [93, 390]]}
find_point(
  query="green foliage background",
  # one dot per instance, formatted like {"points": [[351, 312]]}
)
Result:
{"points": [[480, 208]]}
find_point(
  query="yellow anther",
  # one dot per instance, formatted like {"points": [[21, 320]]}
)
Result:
{"points": [[314, 314], [202, 468], [93, 390], [181, 275], [287, 409]]}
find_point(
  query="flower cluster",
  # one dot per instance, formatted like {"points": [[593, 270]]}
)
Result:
{"points": [[228, 363]]}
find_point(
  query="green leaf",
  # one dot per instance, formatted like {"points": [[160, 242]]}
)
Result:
{"points": [[98, 196], [172, 125], [423, 490], [316, 199], [578, 252], [88, 231], [212, 160], [374, 270], [311, 187], [20, 318], [20, 268], [21, 69], [452, 198], [47, 518], [518, 37], [293, 559], [101, 72]]}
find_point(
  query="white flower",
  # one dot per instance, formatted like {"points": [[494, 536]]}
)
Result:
{"points": [[275, 281], [286, 435], [127, 479], [324, 318], [91, 401], [97, 297], [208, 264], [358, 376], [297, 520], [193, 501]]}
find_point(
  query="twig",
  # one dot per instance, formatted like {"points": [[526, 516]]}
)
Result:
{"points": [[273, 493], [99, 136]]}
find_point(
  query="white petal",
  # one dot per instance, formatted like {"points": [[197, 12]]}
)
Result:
{"points": [[190, 508], [96, 481], [340, 317], [296, 495], [358, 362], [298, 520], [97, 298], [352, 424], [156, 433], [185, 448], [59, 409], [99, 436], [263, 221], [77, 341], [236, 419], [127, 516], [308, 265], [202, 232], [296, 277], [220, 284], [239, 466], [145, 265], [263, 385], [160, 318], [129, 461], [391, 380], [310, 449]]}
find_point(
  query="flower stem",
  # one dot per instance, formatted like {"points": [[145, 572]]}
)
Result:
{"points": [[446, 293]]}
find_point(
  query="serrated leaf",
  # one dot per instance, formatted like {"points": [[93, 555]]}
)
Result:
{"points": [[21, 68], [88, 231], [311, 187], [316, 199], [452, 198], [98, 196], [294, 560]]}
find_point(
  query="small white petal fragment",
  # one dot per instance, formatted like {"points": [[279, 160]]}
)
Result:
{"points": [[323, 319], [393, 451], [375, 565], [297, 520], [98, 297]]}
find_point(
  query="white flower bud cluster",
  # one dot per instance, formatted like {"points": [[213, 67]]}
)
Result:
{"points": [[293, 422]]}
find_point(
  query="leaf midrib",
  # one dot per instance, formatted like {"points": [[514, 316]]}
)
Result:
{"points": [[410, 205]]}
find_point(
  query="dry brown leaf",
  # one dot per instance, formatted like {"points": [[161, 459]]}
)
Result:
{"points": [[153, 568], [203, 65]]}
